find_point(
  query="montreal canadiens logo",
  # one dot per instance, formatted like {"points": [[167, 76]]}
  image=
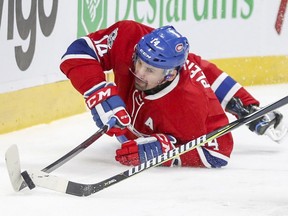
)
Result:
{"points": [[179, 47]]}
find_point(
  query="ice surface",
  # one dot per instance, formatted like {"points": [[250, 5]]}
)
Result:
{"points": [[255, 182]]}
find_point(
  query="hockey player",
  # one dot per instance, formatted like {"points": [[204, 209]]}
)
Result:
{"points": [[163, 96]]}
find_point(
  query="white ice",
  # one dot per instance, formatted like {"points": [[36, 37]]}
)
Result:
{"points": [[255, 182]]}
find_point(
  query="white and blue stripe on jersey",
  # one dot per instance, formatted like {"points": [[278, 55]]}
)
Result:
{"points": [[225, 88], [81, 48]]}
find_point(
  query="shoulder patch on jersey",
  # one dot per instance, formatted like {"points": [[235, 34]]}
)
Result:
{"points": [[111, 38]]}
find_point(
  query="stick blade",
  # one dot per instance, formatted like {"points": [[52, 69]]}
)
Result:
{"points": [[13, 167]]}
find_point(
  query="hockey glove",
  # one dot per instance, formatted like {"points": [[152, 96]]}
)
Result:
{"points": [[135, 152], [270, 124], [104, 103]]}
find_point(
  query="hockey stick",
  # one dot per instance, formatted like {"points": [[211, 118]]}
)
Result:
{"points": [[56, 183], [80, 147], [19, 185]]}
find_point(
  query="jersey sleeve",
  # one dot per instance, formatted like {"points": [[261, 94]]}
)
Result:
{"points": [[224, 86], [81, 65], [88, 57]]}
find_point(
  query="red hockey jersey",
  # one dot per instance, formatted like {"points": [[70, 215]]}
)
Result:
{"points": [[186, 109]]}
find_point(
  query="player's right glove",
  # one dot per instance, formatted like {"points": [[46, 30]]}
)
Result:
{"points": [[270, 124], [104, 103], [134, 152]]}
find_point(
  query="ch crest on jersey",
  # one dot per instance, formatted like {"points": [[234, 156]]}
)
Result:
{"points": [[149, 123]]}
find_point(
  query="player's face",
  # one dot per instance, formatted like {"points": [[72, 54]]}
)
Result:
{"points": [[147, 76]]}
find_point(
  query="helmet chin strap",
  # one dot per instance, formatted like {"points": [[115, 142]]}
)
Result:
{"points": [[168, 76], [161, 84]]}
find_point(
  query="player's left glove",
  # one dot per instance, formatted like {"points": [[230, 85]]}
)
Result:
{"points": [[135, 152], [270, 124]]}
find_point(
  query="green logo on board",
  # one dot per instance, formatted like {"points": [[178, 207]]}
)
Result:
{"points": [[92, 15]]}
